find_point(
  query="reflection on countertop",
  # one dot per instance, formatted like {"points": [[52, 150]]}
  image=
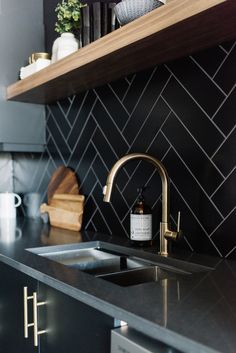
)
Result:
{"points": [[194, 313]]}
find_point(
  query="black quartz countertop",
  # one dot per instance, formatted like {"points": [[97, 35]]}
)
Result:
{"points": [[194, 313]]}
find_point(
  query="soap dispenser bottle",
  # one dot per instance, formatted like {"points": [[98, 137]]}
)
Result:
{"points": [[141, 222]]}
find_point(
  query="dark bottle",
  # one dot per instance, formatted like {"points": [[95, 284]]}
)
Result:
{"points": [[141, 222]]}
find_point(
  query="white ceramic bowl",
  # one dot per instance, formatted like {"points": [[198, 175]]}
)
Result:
{"points": [[128, 10]]}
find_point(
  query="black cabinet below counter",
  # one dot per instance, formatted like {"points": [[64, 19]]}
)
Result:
{"points": [[70, 325]]}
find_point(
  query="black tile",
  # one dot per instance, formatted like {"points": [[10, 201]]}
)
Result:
{"points": [[60, 118], [82, 143], [139, 179], [81, 119], [226, 76], [139, 81], [120, 87], [104, 149], [109, 213], [65, 105], [223, 238], [225, 197], [113, 105], [108, 156], [75, 106], [228, 45], [146, 102], [193, 236], [100, 170], [59, 142], [210, 59], [83, 169], [199, 125], [89, 209], [198, 202], [225, 158], [151, 127], [198, 84], [226, 117], [198, 163], [110, 130], [119, 203], [158, 147], [100, 223]]}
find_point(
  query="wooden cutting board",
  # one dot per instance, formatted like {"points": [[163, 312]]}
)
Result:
{"points": [[63, 181]]}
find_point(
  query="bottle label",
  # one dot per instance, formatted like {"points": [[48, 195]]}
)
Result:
{"points": [[141, 227]]}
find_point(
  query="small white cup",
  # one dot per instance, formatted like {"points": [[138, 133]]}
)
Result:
{"points": [[8, 203], [9, 232], [32, 202]]}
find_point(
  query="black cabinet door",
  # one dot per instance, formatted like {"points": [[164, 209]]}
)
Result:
{"points": [[72, 326], [12, 338]]}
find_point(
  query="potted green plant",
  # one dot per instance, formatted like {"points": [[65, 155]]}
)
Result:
{"points": [[67, 25]]}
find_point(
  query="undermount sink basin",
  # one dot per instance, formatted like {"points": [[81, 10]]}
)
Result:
{"points": [[138, 276], [116, 264]]}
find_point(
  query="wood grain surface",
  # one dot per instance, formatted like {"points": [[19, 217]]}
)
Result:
{"points": [[63, 181], [179, 28]]}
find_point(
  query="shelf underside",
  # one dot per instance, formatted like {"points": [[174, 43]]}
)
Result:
{"points": [[176, 29]]}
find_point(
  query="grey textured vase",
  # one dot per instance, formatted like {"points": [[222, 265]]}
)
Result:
{"points": [[128, 10]]}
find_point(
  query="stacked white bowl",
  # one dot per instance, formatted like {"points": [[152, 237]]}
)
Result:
{"points": [[128, 10]]}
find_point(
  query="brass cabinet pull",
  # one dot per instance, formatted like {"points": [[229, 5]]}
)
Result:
{"points": [[26, 324], [35, 315]]}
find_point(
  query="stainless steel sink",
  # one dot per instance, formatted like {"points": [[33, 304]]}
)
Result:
{"points": [[117, 264], [138, 276]]}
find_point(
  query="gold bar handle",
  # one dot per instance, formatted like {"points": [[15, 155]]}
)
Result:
{"points": [[35, 318], [26, 324]]}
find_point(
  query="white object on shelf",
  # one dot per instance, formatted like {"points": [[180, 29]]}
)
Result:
{"points": [[64, 45], [32, 68]]}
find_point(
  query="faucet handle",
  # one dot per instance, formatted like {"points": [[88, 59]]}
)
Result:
{"points": [[178, 222]]}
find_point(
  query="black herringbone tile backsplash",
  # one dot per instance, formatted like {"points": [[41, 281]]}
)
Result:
{"points": [[183, 113]]}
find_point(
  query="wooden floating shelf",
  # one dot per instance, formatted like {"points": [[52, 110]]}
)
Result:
{"points": [[176, 29]]}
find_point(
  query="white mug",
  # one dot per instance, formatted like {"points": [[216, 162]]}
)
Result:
{"points": [[8, 203], [9, 232], [32, 202]]}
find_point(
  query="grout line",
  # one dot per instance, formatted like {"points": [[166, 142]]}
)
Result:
{"points": [[98, 153], [223, 102], [117, 127], [191, 211], [222, 48], [199, 106], [58, 150], [85, 123], [120, 101], [140, 97], [205, 193], [223, 220], [222, 143], [202, 149], [227, 255], [78, 138], [87, 172], [206, 73], [90, 195], [196, 218], [56, 123], [190, 246], [85, 150], [222, 182], [151, 110], [130, 85], [223, 61]]}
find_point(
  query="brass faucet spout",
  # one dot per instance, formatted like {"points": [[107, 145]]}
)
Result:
{"points": [[164, 226]]}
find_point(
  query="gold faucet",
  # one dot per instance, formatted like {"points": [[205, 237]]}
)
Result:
{"points": [[165, 232]]}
